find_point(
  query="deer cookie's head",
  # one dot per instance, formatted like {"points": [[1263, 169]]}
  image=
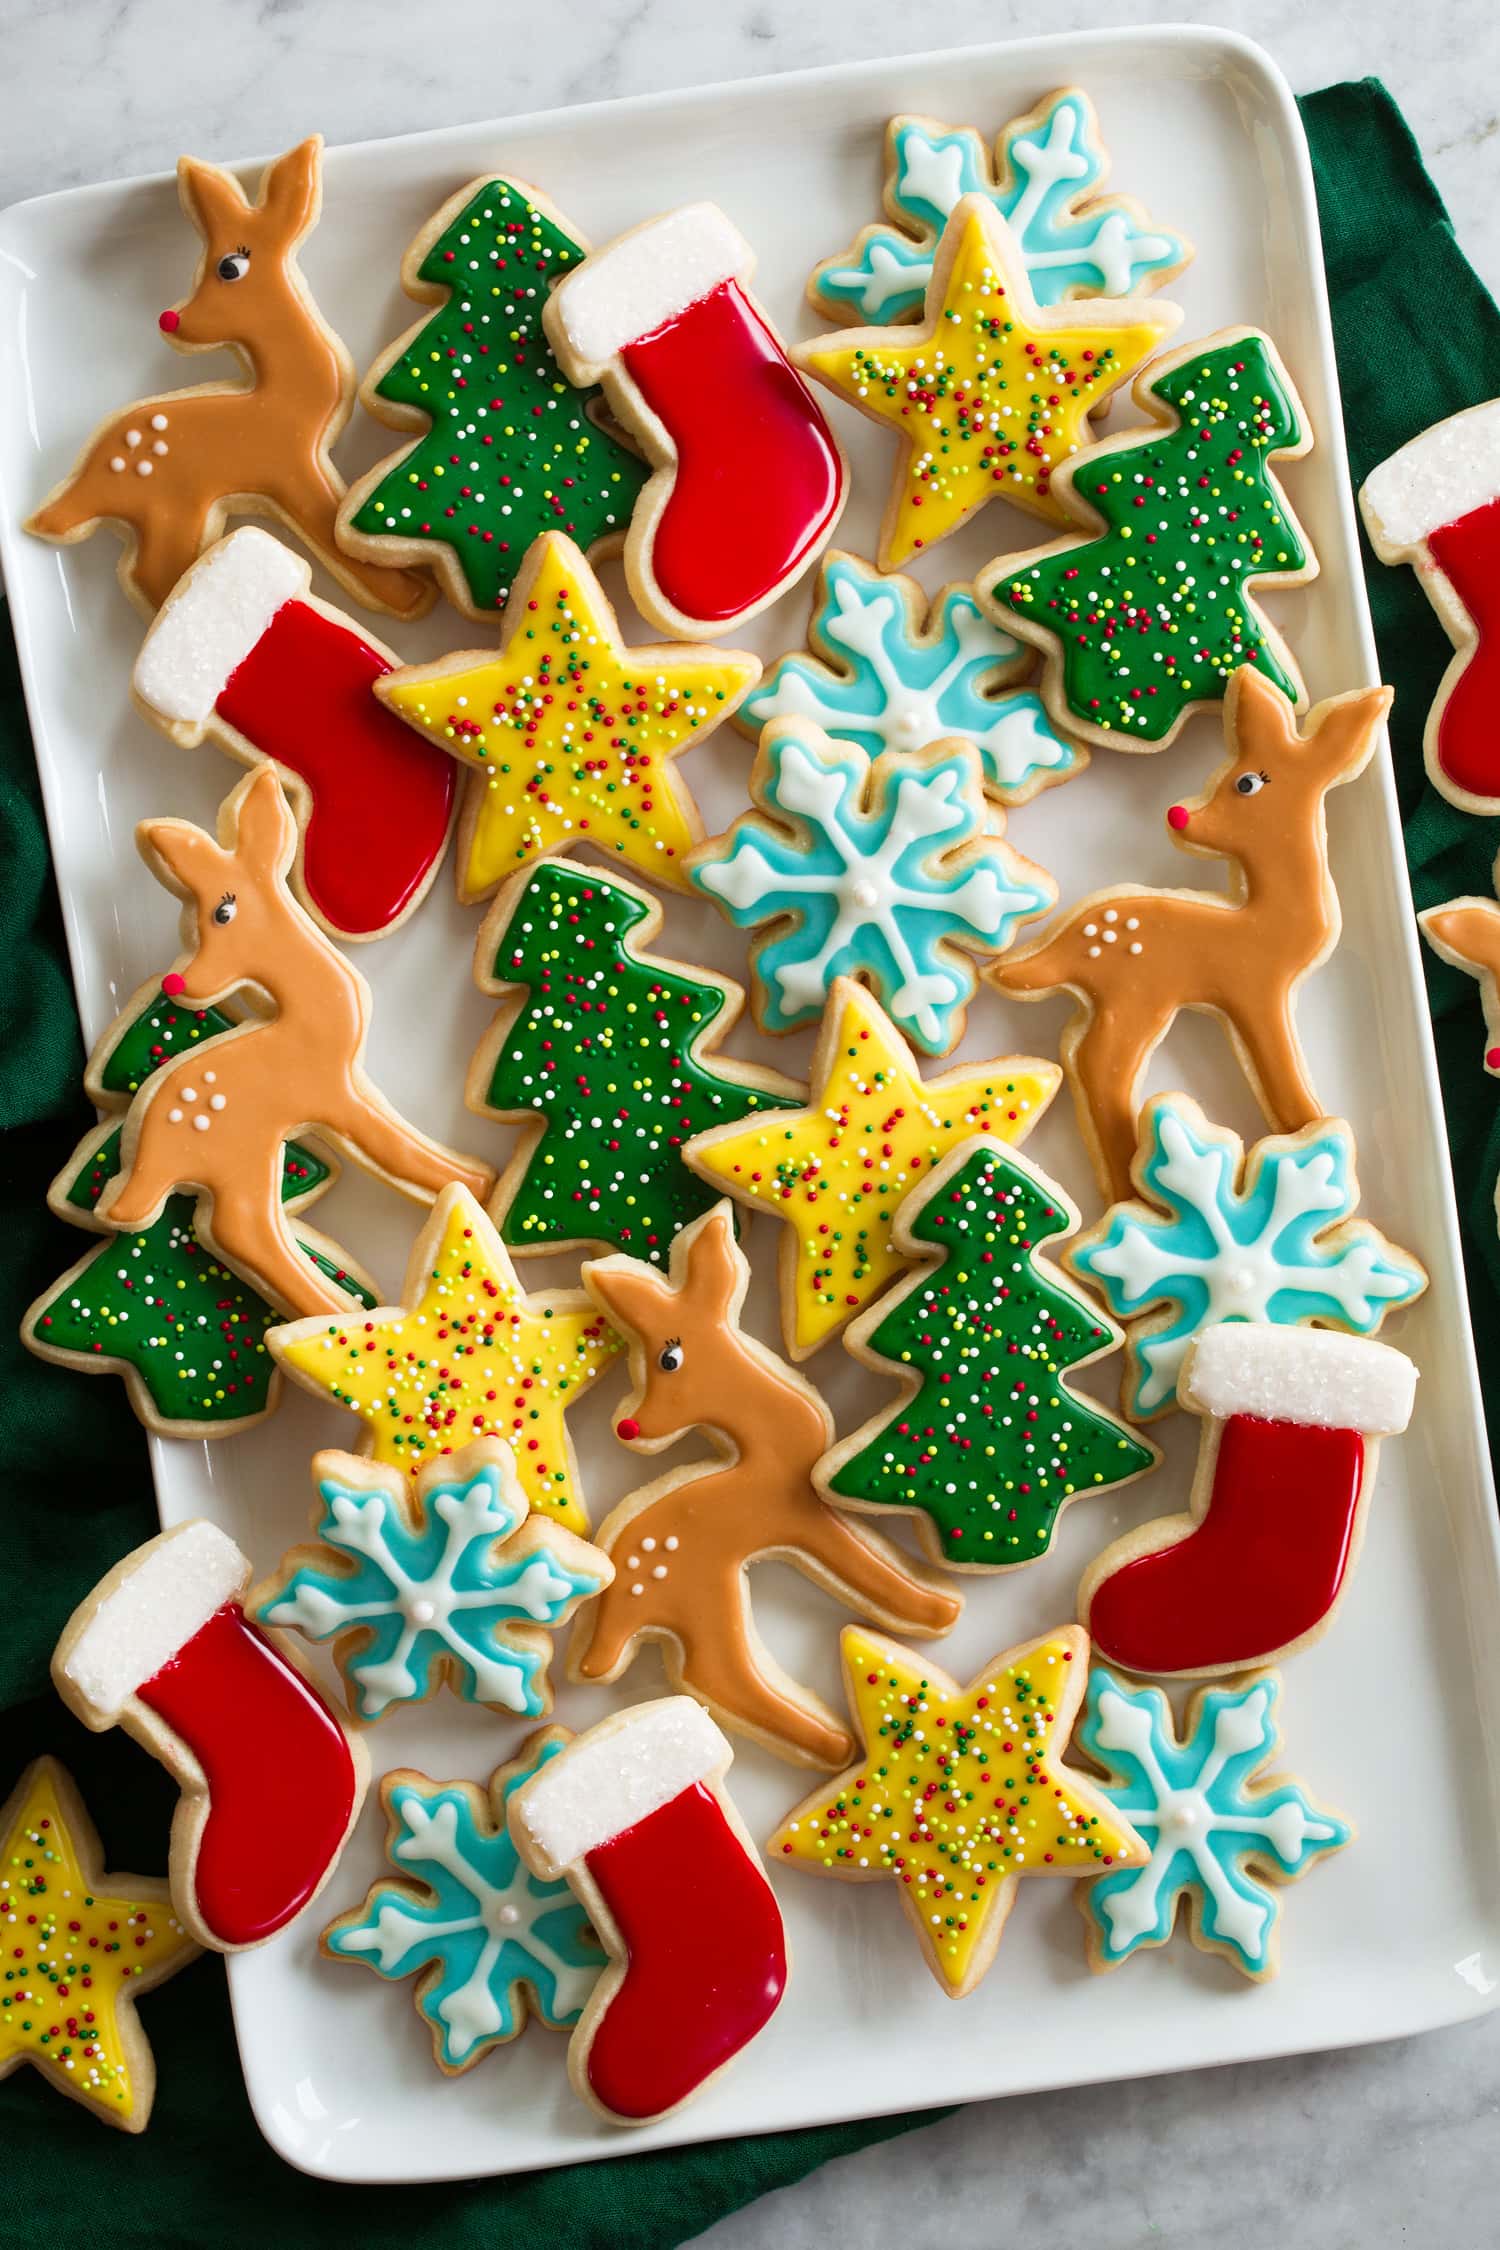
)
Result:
{"points": [[241, 912], [687, 1355], [243, 284], [1270, 792]]}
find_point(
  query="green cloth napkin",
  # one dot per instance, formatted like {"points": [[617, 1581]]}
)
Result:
{"points": [[1417, 339]]}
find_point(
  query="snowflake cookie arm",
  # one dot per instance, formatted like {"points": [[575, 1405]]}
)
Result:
{"points": [[1218, 1834], [452, 1581], [1221, 1236], [889, 870], [496, 1943]]}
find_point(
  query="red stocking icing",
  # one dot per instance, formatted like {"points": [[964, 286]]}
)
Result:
{"points": [[1286, 1463], [754, 481], [633, 1815], [238, 648], [271, 1784], [1436, 504]]}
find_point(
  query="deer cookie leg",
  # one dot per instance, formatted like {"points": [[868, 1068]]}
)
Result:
{"points": [[732, 1671], [251, 1234], [271, 1783], [383, 1141], [635, 1815], [1104, 1067], [1273, 1055], [311, 505], [875, 1580]]}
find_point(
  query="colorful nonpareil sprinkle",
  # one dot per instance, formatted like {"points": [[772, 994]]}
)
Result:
{"points": [[513, 450], [469, 1355], [838, 1171], [1153, 612], [960, 1791], [609, 1054], [571, 732]]}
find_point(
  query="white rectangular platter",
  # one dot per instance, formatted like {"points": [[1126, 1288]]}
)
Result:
{"points": [[1394, 1718]]}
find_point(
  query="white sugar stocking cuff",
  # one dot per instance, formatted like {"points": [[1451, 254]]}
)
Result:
{"points": [[207, 628], [636, 285], [1309, 1375], [612, 1778], [165, 1592]]}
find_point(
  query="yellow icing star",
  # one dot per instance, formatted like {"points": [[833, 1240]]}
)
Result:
{"points": [[960, 1791], [572, 732], [469, 1355], [993, 392], [839, 1170], [77, 1948]]}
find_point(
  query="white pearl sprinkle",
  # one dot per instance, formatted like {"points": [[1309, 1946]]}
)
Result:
{"points": [[118, 462], [202, 1123], [158, 421], [190, 1093], [160, 446], [671, 1544], [143, 468], [659, 1570], [647, 1545], [174, 1116], [132, 437], [217, 1101]]}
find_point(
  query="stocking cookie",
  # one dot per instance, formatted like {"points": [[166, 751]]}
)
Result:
{"points": [[439, 1577], [991, 393], [987, 1444], [1221, 1832], [837, 1171], [217, 1122], [571, 734], [748, 480], [170, 469], [468, 1355], [605, 1054], [1217, 1235], [241, 651], [271, 1782], [495, 1945], [959, 1792], [1134, 958], [881, 678], [509, 449], [683, 1545], [1436, 505], [1259, 1564], [1049, 167], [81, 1948], [888, 869], [636, 1817], [1144, 611]]}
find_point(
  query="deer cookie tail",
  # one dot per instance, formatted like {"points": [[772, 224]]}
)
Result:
{"points": [[1038, 968], [56, 517]]}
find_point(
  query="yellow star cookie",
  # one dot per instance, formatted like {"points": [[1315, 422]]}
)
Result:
{"points": [[839, 1170], [959, 1792], [571, 732], [468, 1355], [993, 393], [78, 1948]]}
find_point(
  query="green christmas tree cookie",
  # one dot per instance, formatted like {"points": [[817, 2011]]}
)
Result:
{"points": [[989, 1444], [510, 449], [1148, 612], [601, 1053]]}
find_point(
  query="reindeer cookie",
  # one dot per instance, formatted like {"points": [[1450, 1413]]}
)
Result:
{"points": [[1135, 959], [169, 469], [682, 1545], [216, 1122]]}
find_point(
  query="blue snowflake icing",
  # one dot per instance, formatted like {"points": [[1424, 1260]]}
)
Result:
{"points": [[1048, 168], [485, 1924], [900, 689], [862, 875], [1222, 1252], [446, 1592], [1194, 1804]]}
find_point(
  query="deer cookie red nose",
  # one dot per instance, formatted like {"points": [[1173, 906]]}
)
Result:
{"points": [[1177, 816], [167, 322], [627, 1429], [172, 984]]}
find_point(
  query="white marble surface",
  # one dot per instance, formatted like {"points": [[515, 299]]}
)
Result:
{"points": [[1321, 2153]]}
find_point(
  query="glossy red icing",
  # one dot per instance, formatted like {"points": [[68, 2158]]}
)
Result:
{"points": [[707, 1964], [759, 477], [281, 1781], [1468, 738], [1262, 1568], [381, 796]]}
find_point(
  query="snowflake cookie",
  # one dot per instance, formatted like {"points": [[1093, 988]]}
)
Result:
{"points": [[890, 672], [1264, 1237], [448, 1578], [497, 1942], [888, 869], [1049, 167], [1219, 1834]]}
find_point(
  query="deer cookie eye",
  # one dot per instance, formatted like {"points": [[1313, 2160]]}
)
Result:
{"points": [[1248, 784], [225, 910], [672, 1356], [235, 265]]}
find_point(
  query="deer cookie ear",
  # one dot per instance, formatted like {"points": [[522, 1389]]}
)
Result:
{"points": [[715, 1275], [293, 187], [180, 855], [634, 1298], [213, 199], [264, 830], [1342, 731]]}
